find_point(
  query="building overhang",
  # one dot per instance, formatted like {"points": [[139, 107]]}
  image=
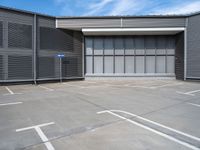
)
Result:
{"points": [[132, 31]]}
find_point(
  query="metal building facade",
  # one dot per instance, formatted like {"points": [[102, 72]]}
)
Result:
{"points": [[30, 44], [193, 47], [97, 46], [110, 52]]}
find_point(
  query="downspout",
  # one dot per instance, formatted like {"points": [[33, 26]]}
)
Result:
{"points": [[35, 49], [185, 49]]}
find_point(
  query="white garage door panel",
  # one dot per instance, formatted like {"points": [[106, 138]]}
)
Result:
{"points": [[150, 64], [139, 46], [170, 64], [129, 46], [89, 64], [150, 45], [130, 55], [119, 46], [129, 64], [160, 64], [139, 64], [98, 46], [108, 65], [89, 46], [98, 64], [119, 64], [108, 46]]}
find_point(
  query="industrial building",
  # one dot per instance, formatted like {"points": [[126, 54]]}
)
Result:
{"points": [[35, 47]]}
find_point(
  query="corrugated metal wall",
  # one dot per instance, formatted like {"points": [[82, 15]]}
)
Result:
{"points": [[17, 48], [56, 41], [179, 61], [74, 23], [193, 47]]}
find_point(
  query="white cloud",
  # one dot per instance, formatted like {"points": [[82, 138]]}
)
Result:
{"points": [[115, 7], [184, 8], [97, 7], [127, 7]]}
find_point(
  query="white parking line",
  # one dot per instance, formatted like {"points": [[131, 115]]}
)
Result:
{"points": [[153, 87], [85, 94], [46, 88], [191, 93], [154, 130], [43, 137], [135, 86], [194, 104], [165, 85], [72, 85], [184, 93], [9, 90], [15, 103], [89, 82]]}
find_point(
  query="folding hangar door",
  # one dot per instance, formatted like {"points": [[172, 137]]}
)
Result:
{"points": [[130, 55]]}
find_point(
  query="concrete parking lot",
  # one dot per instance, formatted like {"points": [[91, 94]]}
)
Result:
{"points": [[127, 114]]}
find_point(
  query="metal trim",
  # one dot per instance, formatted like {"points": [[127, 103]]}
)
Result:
{"points": [[35, 49], [185, 49], [131, 29]]}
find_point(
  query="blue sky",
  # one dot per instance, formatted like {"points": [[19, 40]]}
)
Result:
{"points": [[105, 7]]}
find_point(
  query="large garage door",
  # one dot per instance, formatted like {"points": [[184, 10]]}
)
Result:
{"points": [[130, 56]]}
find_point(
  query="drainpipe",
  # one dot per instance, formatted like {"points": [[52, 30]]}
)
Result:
{"points": [[185, 49], [35, 49]]}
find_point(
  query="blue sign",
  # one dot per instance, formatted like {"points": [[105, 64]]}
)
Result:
{"points": [[61, 55]]}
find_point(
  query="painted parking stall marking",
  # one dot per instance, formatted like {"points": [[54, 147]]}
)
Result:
{"points": [[114, 113], [10, 92], [46, 88], [41, 134], [197, 105], [14, 103], [190, 93], [166, 85], [147, 87]]}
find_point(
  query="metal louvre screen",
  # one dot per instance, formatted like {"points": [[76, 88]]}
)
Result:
{"points": [[19, 67], [30, 45], [70, 67], [19, 35], [16, 53], [1, 67], [55, 39], [1, 34], [46, 67], [193, 48], [130, 55], [54, 42]]}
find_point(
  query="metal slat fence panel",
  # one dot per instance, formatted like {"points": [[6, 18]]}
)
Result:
{"points": [[55, 39], [70, 67], [19, 36], [19, 67], [193, 48], [1, 34], [21, 57], [46, 67], [1, 68], [54, 42]]}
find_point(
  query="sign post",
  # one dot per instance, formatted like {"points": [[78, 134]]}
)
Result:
{"points": [[60, 56]]}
